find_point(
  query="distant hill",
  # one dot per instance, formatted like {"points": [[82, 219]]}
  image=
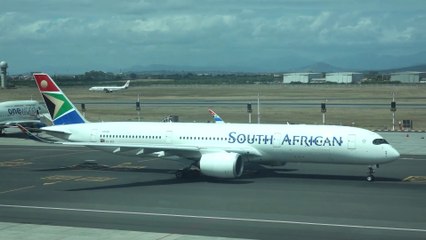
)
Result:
{"points": [[417, 68], [318, 67], [325, 67], [170, 69]]}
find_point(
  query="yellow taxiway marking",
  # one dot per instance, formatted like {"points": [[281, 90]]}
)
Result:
{"points": [[15, 163], [128, 165], [51, 183], [415, 179], [17, 189], [62, 178], [94, 179]]}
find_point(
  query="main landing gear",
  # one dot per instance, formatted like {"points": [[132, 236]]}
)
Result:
{"points": [[189, 172], [371, 171]]}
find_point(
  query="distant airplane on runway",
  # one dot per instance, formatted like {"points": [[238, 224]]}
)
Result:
{"points": [[24, 112], [109, 89], [217, 150]]}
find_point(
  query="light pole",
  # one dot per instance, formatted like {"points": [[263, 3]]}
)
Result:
{"points": [[323, 110], [138, 108], [393, 110], [249, 111]]}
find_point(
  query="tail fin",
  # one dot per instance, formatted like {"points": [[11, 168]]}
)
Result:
{"points": [[60, 107], [126, 85], [216, 117]]}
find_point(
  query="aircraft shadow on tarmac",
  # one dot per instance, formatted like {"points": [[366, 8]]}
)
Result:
{"points": [[99, 167], [170, 181], [322, 177], [288, 173], [252, 172]]}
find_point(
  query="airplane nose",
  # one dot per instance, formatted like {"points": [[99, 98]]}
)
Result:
{"points": [[392, 154]]}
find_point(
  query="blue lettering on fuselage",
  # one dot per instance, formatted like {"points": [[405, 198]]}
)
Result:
{"points": [[308, 141], [289, 140], [22, 111], [234, 137]]}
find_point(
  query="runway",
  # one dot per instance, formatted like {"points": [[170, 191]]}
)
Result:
{"points": [[45, 184]]}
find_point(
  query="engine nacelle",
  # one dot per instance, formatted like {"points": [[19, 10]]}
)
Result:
{"points": [[222, 165]]}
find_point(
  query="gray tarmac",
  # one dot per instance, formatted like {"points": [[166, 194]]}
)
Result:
{"points": [[61, 192]]}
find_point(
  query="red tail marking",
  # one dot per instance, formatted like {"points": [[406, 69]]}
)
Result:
{"points": [[45, 83]]}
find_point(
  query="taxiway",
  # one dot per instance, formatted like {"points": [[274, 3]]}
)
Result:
{"points": [[79, 187]]}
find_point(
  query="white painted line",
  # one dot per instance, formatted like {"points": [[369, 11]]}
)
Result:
{"points": [[412, 159], [257, 220]]}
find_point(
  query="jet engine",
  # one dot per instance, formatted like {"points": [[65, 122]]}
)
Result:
{"points": [[222, 165]]}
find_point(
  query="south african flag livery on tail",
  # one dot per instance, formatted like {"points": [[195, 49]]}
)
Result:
{"points": [[60, 107]]}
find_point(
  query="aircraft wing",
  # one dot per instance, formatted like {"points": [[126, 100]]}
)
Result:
{"points": [[57, 133], [11, 123], [20, 122], [167, 149]]}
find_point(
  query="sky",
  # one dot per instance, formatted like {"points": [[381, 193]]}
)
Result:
{"points": [[74, 36]]}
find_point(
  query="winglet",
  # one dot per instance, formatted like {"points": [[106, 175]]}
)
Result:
{"points": [[60, 107]]}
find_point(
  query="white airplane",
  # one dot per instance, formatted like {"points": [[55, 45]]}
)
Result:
{"points": [[109, 89], [217, 150], [24, 112]]}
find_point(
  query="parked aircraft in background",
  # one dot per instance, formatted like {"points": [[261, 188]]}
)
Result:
{"points": [[109, 89], [24, 112], [217, 150], [216, 117]]}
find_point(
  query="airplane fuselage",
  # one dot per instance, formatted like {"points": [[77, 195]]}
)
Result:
{"points": [[257, 142], [12, 110], [24, 112]]}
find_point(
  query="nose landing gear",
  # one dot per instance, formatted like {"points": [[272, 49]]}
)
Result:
{"points": [[371, 171]]}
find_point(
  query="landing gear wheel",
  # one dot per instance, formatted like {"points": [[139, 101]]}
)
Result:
{"points": [[187, 173], [179, 174], [370, 178]]}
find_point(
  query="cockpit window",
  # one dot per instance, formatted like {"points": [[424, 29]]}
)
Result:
{"points": [[379, 141]]}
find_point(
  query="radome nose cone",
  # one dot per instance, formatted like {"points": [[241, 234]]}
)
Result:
{"points": [[393, 154]]}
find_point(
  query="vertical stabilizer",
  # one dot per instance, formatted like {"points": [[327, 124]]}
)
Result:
{"points": [[126, 85], [216, 117], [60, 107]]}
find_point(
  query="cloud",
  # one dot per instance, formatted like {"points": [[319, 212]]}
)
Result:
{"points": [[106, 33]]}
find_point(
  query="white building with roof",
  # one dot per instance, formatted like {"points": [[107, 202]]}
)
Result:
{"points": [[408, 77], [300, 77], [344, 77]]}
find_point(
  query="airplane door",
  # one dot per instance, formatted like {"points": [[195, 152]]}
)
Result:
{"points": [[94, 135], [169, 136], [351, 141]]}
